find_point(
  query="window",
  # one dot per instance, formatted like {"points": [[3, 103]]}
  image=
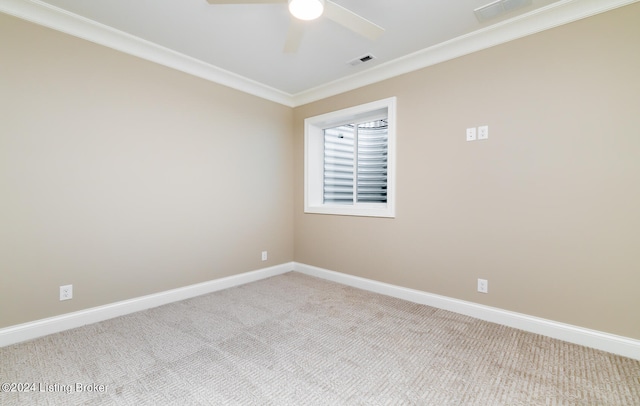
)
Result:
{"points": [[350, 161]]}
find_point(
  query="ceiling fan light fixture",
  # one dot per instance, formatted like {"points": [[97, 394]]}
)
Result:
{"points": [[306, 9]]}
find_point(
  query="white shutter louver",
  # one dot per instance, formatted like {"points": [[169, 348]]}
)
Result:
{"points": [[372, 162], [338, 164], [355, 163]]}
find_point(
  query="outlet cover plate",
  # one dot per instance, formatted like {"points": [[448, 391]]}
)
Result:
{"points": [[66, 292], [483, 286]]}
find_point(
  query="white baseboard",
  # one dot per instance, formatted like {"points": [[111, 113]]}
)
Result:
{"points": [[624, 346], [615, 344], [28, 331]]}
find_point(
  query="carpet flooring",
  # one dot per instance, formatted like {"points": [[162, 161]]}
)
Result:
{"points": [[298, 340]]}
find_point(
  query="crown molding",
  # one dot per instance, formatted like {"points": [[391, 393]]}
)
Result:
{"points": [[553, 15], [55, 18]]}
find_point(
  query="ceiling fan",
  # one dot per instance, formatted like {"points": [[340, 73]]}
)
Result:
{"points": [[305, 10]]}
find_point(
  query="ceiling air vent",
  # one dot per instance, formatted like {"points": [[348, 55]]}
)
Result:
{"points": [[496, 8], [362, 59]]}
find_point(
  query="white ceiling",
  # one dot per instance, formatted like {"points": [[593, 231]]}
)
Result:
{"points": [[241, 45]]}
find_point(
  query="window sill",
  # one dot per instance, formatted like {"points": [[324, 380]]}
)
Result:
{"points": [[383, 211]]}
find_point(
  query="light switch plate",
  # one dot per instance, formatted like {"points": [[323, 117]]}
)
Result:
{"points": [[471, 134], [483, 132]]}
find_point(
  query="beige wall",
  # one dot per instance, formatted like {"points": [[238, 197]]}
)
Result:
{"points": [[547, 209], [125, 178]]}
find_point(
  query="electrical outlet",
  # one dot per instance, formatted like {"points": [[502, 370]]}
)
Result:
{"points": [[483, 286], [264, 255], [66, 292], [471, 134]]}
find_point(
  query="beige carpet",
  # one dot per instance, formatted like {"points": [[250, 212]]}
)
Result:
{"points": [[298, 340]]}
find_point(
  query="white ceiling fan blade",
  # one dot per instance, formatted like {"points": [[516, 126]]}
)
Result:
{"points": [[352, 21], [246, 1], [294, 35]]}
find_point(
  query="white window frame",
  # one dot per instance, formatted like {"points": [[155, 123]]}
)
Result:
{"points": [[314, 159]]}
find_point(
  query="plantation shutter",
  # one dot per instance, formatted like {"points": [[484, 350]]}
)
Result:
{"points": [[372, 162], [355, 163], [339, 168]]}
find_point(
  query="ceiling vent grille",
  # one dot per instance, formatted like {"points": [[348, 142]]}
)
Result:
{"points": [[496, 8], [362, 59]]}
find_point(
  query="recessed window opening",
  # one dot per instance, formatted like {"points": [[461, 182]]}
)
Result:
{"points": [[350, 161]]}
